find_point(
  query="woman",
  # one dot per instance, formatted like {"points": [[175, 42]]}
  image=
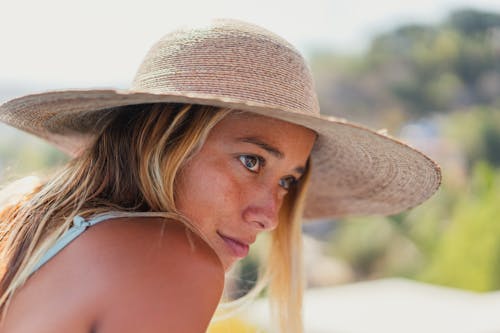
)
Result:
{"points": [[215, 143]]}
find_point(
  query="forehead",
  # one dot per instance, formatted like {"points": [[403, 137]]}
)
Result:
{"points": [[241, 124]]}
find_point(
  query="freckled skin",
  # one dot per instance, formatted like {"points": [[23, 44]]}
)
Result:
{"points": [[220, 195], [131, 286]]}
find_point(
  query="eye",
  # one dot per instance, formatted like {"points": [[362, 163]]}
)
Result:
{"points": [[288, 182], [252, 162]]}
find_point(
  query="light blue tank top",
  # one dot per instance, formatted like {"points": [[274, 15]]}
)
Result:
{"points": [[78, 227]]}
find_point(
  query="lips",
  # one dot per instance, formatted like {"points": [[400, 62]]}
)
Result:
{"points": [[236, 247]]}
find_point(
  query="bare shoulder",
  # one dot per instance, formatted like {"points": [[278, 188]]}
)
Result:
{"points": [[123, 275], [156, 276]]}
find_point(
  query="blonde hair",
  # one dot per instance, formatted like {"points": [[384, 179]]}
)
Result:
{"points": [[132, 166], [285, 267]]}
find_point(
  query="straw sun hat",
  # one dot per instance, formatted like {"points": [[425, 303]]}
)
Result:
{"points": [[355, 171]]}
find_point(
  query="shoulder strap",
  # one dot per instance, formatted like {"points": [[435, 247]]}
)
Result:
{"points": [[78, 227]]}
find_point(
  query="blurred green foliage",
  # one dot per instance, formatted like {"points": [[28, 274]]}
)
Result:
{"points": [[454, 238], [472, 22], [468, 253], [22, 154], [415, 70], [449, 74], [477, 131]]}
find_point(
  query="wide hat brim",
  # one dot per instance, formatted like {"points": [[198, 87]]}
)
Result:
{"points": [[355, 170]]}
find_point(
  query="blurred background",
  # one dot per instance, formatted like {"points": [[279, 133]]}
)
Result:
{"points": [[427, 71]]}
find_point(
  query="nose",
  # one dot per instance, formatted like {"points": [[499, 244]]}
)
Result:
{"points": [[263, 210]]}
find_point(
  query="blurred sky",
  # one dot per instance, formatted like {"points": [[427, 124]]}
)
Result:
{"points": [[50, 44]]}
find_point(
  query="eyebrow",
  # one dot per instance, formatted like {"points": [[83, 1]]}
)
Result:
{"points": [[270, 149], [267, 147]]}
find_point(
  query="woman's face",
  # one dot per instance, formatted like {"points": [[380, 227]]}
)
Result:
{"points": [[233, 188]]}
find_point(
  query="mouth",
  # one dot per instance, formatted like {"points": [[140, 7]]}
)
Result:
{"points": [[237, 248]]}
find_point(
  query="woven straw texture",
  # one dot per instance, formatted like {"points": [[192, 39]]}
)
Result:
{"points": [[355, 171]]}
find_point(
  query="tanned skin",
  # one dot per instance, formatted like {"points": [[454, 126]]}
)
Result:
{"points": [[137, 274]]}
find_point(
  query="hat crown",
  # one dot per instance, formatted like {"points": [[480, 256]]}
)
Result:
{"points": [[230, 60], [232, 64]]}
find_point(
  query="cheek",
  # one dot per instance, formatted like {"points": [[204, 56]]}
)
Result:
{"points": [[208, 192]]}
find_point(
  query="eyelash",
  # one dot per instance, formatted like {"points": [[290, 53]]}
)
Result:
{"points": [[285, 182], [258, 160], [288, 182]]}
